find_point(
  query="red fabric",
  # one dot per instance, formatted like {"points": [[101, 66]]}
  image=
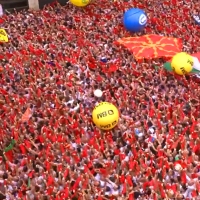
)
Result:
{"points": [[22, 148], [47, 165], [30, 174], [66, 192], [131, 196], [141, 46], [76, 184], [129, 180], [27, 143], [9, 155], [50, 180], [50, 190], [122, 179], [183, 177], [124, 189]]}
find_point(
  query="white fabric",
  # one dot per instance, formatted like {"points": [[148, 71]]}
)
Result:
{"points": [[102, 183], [196, 64], [151, 129], [1, 10], [75, 108], [97, 177], [188, 192]]}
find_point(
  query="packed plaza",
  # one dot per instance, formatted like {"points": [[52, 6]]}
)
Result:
{"points": [[49, 69]]}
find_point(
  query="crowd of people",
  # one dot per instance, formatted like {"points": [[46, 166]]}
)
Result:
{"points": [[54, 60]]}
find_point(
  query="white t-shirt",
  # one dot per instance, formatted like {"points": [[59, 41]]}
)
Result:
{"points": [[102, 183]]}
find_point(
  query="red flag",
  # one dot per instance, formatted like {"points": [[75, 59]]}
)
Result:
{"points": [[194, 193], [76, 184], [50, 180], [129, 180], [30, 174], [49, 190], [9, 55], [41, 139], [1, 21], [124, 188], [22, 148], [122, 179], [99, 78], [4, 92], [131, 164], [85, 184], [27, 143], [183, 177], [84, 152], [59, 167], [66, 173], [102, 145], [152, 46], [47, 165], [162, 193], [183, 143], [66, 192], [113, 68], [131, 196], [174, 145], [9, 155], [151, 112]]}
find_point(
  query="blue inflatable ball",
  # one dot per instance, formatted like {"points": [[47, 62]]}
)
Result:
{"points": [[135, 20]]}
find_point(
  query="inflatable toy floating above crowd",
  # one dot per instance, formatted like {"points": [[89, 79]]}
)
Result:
{"points": [[184, 64], [135, 20], [105, 116], [3, 36], [98, 93], [80, 3]]}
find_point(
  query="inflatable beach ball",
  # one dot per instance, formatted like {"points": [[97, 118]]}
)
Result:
{"points": [[182, 63], [105, 116], [135, 20], [98, 93], [80, 3]]}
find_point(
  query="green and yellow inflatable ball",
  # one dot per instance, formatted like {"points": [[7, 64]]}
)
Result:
{"points": [[80, 3], [182, 63]]}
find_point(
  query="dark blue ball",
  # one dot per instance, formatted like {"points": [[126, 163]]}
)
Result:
{"points": [[135, 20]]}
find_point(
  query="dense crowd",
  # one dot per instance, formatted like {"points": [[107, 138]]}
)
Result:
{"points": [[49, 69]]}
